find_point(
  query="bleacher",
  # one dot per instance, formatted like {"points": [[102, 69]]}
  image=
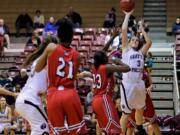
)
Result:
{"points": [[162, 77], [173, 11], [93, 12]]}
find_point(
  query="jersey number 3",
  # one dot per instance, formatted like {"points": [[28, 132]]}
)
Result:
{"points": [[60, 69]]}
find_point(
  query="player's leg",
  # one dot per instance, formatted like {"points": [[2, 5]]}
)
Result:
{"points": [[6, 130], [114, 118], [75, 121], [123, 122], [35, 115], [101, 112], [150, 116], [137, 100], [28, 127], [56, 114], [125, 106], [131, 124], [153, 129], [130, 131]]}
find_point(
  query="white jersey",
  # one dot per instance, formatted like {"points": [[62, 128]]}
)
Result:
{"points": [[37, 82], [135, 60], [4, 115]]}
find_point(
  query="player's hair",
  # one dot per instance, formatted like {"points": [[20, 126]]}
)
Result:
{"points": [[141, 41], [40, 50], [100, 58], [65, 30]]}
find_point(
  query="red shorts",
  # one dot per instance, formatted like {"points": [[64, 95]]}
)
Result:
{"points": [[149, 113], [65, 105], [106, 114]]}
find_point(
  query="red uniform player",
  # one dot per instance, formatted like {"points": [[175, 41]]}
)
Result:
{"points": [[63, 102], [102, 104]]}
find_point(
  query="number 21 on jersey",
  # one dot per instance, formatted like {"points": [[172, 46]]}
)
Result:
{"points": [[97, 81], [60, 69]]}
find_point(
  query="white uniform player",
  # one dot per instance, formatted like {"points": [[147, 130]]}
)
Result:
{"points": [[29, 105], [4, 116], [133, 88]]}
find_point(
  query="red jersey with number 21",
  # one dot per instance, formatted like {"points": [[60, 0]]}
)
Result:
{"points": [[62, 67]]}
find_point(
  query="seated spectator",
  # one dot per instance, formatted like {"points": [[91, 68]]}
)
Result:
{"points": [[50, 27], [34, 40], [17, 88], [4, 31], [149, 62], [132, 21], [20, 79], [19, 124], [110, 19], [24, 21], [38, 20], [75, 17], [89, 97], [5, 116], [4, 79], [176, 25]]}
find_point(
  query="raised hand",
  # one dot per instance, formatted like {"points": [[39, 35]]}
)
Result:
{"points": [[128, 13], [116, 31]]}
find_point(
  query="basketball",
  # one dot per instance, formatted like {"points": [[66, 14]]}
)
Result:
{"points": [[127, 5]]}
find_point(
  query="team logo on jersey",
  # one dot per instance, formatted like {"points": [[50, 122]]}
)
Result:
{"points": [[43, 126]]}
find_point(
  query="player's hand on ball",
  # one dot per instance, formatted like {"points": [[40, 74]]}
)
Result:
{"points": [[128, 13]]}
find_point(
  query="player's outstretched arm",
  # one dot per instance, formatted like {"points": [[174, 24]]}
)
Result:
{"points": [[116, 61], [117, 68], [43, 58], [125, 29], [3, 91], [148, 43], [115, 33]]}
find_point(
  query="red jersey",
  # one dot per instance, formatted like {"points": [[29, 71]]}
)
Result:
{"points": [[101, 83], [62, 67], [145, 78]]}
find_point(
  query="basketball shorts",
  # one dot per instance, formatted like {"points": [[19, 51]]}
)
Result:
{"points": [[133, 96], [34, 114], [149, 114], [64, 105], [106, 114]]}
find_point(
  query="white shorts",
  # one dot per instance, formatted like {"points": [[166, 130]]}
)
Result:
{"points": [[35, 115], [133, 96], [3, 125]]}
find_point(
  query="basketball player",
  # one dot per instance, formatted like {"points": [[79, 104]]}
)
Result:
{"points": [[133, 92], [5, 116], [102, 103], [28, 103], [63, 102], [149, 112]]}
